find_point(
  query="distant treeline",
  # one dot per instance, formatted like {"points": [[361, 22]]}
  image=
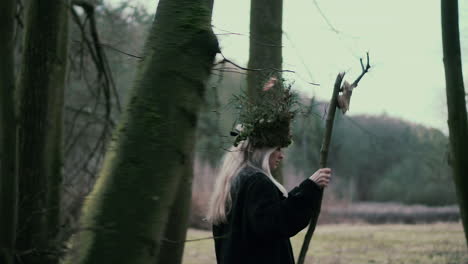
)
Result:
{"points": [[380, 158]]}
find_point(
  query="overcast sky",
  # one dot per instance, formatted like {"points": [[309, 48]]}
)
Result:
{"points": [[323, 38]]}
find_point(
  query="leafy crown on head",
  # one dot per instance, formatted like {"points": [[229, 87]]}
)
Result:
{"points": [[266, 120]]}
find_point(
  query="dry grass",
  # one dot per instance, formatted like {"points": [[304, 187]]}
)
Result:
{"points": [[344, 243]]}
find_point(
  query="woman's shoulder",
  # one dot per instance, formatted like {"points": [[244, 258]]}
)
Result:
{"points": [[248, 171], [254, 176], [249, 175], [254, 181]]}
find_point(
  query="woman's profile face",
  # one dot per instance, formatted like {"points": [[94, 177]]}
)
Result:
{"points": [[275, 158]]}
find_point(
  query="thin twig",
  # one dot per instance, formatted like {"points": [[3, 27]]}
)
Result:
{"points": [[249, 69], [301, 59], [120, 51], [99, 58], [72, 127], [105, 86], [365, 69], [255, 40], [325, 18], [193, 240]]}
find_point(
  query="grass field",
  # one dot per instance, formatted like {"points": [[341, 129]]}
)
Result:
{"points": [[357, 244]]}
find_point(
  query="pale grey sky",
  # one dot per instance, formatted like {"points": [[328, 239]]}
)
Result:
{"points": [[403, 38]]}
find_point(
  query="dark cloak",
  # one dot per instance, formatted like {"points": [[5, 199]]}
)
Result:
{"points": [[262, 220]]}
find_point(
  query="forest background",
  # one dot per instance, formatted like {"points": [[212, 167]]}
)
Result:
{"points": [[386, 168], [386, 157], [375, 158]]}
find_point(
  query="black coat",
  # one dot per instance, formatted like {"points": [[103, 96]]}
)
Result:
{"points": [[262, 220]]}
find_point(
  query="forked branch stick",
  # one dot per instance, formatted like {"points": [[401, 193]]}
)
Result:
{"points": [[325, 146], [323, 162]]}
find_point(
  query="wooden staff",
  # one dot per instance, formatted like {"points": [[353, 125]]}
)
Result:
{"points": [[341, 101]]}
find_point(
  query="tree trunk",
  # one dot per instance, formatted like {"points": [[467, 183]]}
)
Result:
{"points": [[41, 88], [172, 247], [265, 52], [265, 55], [125, 216], [457, 117], [8, 178]]}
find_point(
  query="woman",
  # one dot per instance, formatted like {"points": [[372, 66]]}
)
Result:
{"points": [[253, 215]]}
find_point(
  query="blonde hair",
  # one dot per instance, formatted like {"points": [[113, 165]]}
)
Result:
{"points": [[233, 162]]}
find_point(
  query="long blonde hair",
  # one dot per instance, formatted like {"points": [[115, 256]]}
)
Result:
{"points": [[233, 162]]}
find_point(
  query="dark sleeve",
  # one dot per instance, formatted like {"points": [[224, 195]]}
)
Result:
{"points": [[269, 216], [218, 243]]}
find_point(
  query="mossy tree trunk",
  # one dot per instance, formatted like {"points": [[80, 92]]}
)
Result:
{"points": [[457, 116], [125, 216], [41, 87], [172, 247], [265, 51], [8, 178]]}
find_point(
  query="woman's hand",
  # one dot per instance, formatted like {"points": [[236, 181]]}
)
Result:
{"points": [[322, 177]]}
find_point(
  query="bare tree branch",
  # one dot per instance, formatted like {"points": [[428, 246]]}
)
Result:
{"points": [[365, 69], [98, 55], [105, 86], [325, 18], [301, 58], [120, 51], [261, 43], [248, 69], [92, 115], [84, 36], [101, 61]]}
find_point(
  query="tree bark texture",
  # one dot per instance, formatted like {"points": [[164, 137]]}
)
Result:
{"points": [[456, 104], [8, 178], [125, 216], [41, 90], [265, 51], [172, 247]]}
